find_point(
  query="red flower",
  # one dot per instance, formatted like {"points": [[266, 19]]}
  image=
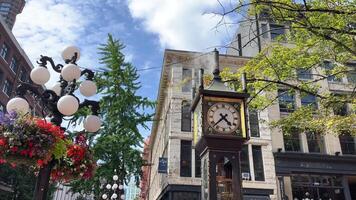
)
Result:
{"points": [[13, 165], [24, 152], [2, 161], [40, 163], [2, 142], [14, 149]]}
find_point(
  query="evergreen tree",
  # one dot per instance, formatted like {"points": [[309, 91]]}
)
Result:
{"points": [[118, 144]]}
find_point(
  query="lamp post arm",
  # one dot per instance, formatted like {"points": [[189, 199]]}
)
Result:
{"points": [[89, 74], [93, 105], [45, 59]]}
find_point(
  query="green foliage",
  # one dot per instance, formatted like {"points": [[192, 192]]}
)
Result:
{"points": [[117, 146], [316, 31]]}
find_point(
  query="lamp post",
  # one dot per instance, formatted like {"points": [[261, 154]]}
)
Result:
{"points": [[58, 101], [113, 191]]}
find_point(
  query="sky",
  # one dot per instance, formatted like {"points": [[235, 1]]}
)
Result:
{"points": [[146, 27]]}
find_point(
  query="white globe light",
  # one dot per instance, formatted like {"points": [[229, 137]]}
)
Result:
{"points": [[121, 187], [70, 72], [108, 186], [104, 196], [87, 88], [40, 75], [68, 53], [115, 177], [17, 104], [92, 123], [114, 186], [122, 196], [114, 196], [57, 89], [67, 105]]}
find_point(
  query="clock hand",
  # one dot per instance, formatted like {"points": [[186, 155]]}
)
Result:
{"points": [[218, 122], [224, 118]]}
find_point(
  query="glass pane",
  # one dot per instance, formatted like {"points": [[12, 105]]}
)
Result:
{"points": [[291, 141], [187, 80], [197, 165], [347, 143], [276, 30], [309, 100], [224, 179], [258, 163], [245, 165], [315, 142], [186, 117], [286, 101], [254, 126], [264, 31], [186, 158], [304, 74]]}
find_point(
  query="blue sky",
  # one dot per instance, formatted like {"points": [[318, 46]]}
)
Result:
{"points": [[146, 27]]}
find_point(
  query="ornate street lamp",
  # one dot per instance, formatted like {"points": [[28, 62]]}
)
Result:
{"points": [[113, 191], [59, 101]]}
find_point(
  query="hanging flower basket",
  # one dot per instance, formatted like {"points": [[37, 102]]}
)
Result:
{"points": [[78, 163], [27, 140], [34, 142]]}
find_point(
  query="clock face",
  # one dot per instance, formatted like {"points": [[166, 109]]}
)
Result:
{"points": [[223, 118]]}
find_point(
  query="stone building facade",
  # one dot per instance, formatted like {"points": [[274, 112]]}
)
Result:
{"points": [[9, 9], [171, 135], [307, 165]]}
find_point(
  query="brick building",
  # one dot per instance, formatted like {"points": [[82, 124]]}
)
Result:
{"points": [[9, 9]]}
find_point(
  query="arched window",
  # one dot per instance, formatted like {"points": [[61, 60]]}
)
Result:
{"points": [[186, 116]]}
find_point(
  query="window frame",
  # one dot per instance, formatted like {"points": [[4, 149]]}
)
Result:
{"points": [[14, 64], [257, 152], [346, 143], [7, 88], [4, 48], [283, 107], [317, 141], [186, 117], [274, 35], [185, 155], [187, 79]]}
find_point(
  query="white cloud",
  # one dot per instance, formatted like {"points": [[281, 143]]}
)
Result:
{"points": [[181, 24], [45, 27]]}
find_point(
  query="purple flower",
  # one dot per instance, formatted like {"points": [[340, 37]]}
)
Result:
{"points": [[8, 119]]}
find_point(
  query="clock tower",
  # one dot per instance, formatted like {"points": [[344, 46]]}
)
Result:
{"points": [[219, 133]]}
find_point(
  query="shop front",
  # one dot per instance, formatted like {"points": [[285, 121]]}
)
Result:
{"points": [[315, 176]]}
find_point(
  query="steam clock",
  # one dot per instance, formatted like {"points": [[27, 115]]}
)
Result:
{"points": [[219, 133]]}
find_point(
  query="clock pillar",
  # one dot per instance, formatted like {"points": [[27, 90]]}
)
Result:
{"points": [[219, 133]]}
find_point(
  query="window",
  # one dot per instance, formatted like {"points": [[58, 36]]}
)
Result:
{"points": [[258, 163], [197, 165], [264, 31], [291, 141], [187, 80], [5, 8], [23, 75], [329, 66], [186, 158], [13, 64], [351, 76], [347, 143], [286, 101], [4, 51], [309, 100], [315, 142], [254, 126], [341, 108], [276, 31], [7, 89], [245, 164], [304, 74], [186, 117]]}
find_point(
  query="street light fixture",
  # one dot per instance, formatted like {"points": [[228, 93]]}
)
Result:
{"points": [[59, 101], [114, 189]]}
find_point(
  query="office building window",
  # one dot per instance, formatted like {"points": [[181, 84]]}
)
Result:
{"points": [[309, 100], [186, 158], [7, 89], [186, 117], [14, 64], [347, 143], [276, 31], [4, 51], [341, 108], [329, 66], [187, 80], [315, 142], [23, 75], [197, 165], [304, 74], [258, 163], [245, 163], [286, 101], [254, 125], [264, 30], [291, 141]]}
